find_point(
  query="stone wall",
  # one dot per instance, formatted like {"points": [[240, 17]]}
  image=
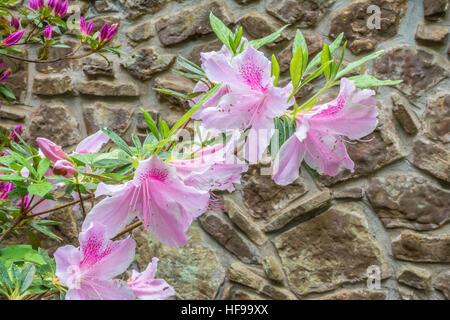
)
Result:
{"points": [[317, 238]]}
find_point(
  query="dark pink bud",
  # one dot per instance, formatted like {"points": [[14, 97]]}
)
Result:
{"points": [[112, 32], [63, 9], [103, 32], [16, 131], [90, 27], [4, 75], [51, 4], [57, 6], [40, 4], [48, 32], [33, 4], [82, 25], [13, 38]]}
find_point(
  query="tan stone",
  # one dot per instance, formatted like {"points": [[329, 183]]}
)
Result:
{"points": [[413, 246], [361, 294]]}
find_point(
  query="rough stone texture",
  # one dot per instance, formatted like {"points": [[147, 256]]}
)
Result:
{"points": [[345, 252], [220, 229], [194, 53], [101, 116], [355, 21], [258, 26], [431, 34], [239, 273], [55, 123], [273, 269], [413, 246], [145, 62], [137, 8], [193, 270], [52, 85], [306, 12], [436, 118], [415, 277], [442, 283], [107, 89], [97, 67], [434, 9], [356, 295], [191, 22], [368, 157], [140, 32], [176, 83], [406, 117], [348, 193], [432, 158], [58, 53], [18, 79], [419, 69], [409, 201]]}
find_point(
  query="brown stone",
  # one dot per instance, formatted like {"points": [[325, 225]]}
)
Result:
{"points": [[106, 6], [100, 20], [333, 248], [306, 12], [432, 158], [348, 193], [194, 53], [436, 118], [273, 269], [431, 34], [412, 246], [146, 62], [137, 8], [191, 22], [433, 10], [107, 88], [239, 273], [384, 148], [140, 32], [415, 277], [15, 113], [258, 26], [406, 117], [361, 294], [59, 53], [263, 198], [95, 67], [18, 79], [54, 123], [222, 230], [359, 26], [442, 283], [314, 42], [419, 70], [193, 270], [409, 201], [245, 295], [298, 208], [176, 83], [52, 85], [101, 116], [242, 219]]}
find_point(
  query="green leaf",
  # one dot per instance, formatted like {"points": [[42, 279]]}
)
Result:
{"points": [[275, 70], [221, 30], [118, 140], [333, 47], [199, 103], [296, 67], [299, 41], [20, 253], [172, 93], [4, 276], [324, 58], [26, 276], [45, 230], [270, 38], [151, 124], [34, 240], [40, 189], [24, 162], [5, 177], [366, 81], [7, 92], [359, 62], [137, 143], [43, 166]]}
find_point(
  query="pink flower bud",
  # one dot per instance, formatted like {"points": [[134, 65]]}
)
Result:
{"points": [[63, 10], [15, 23], [51, 150], [57, 6], [103, 32], [51, 4], [48, 32], [90, 28], [40, 4], [33, 4], [13, 38], [112, 32], [64, 168], [4, 75], [26, 202], [17, 131]]}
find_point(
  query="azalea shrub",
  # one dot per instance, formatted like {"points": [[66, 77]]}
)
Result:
{"points": [[164, 182]]}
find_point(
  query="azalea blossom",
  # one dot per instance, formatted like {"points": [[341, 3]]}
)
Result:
{"points": [[251, 101], [17, 131], [146, 287], [213, 168], [48, 32], [86, 29], [88, 271], [13, 38], [157, 197], [317, 139], [64, 168]]}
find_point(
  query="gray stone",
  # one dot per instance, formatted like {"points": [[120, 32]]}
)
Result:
{"points": [[137, 8], [442, 283], [140, 32], [101, 116], [361, 294], [405, 116], [415, 277], [258, 26], [176, 83], [306, 12], [432, 158], [102, 88], [433, 10], [95, 67], [52, 85], [431, 34], [436, 118]]}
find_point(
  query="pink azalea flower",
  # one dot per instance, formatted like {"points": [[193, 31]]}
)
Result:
{"points": [[48, 31], [13, 38], [156, 196], [88, 271], [214, 167], [15, 132], [93, 143], [317, 139], [51, 150], [146, 287], [64, 168], [43, 205], [252, 102]]}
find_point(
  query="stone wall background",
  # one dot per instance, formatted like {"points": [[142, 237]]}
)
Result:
{"points": [[316, 238]]}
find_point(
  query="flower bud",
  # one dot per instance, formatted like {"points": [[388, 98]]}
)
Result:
{"points": [[13, 38], [64, 168], [52, 151], [48, 32]]}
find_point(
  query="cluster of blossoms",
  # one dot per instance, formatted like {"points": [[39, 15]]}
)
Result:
{"points": [[57, 7], [164, 184]]}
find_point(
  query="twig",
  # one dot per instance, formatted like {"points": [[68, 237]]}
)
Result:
{"points": [[81, 200], [16, 222], [48, 61], [127, 229], [58, 207]]}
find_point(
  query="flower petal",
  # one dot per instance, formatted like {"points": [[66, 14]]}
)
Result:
{"points": [[288, 160], [93, 143]]}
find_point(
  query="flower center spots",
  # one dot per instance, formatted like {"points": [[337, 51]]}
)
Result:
{"points": [[332, 110], [94, 251], [252, 74], [154, 174]]}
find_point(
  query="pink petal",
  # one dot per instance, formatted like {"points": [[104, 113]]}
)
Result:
{"points": [[287, 163], [102, 290], [66, 257], [93, 143]]}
